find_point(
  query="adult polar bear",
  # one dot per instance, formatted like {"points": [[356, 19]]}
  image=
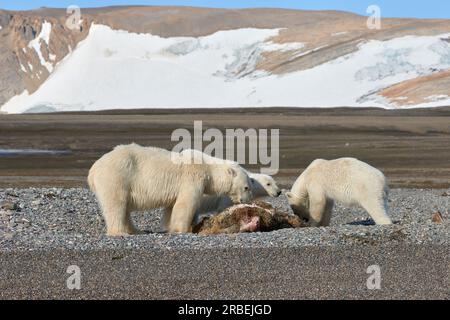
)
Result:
{"points": [[135, 178], [346, 180], [262, 185]]}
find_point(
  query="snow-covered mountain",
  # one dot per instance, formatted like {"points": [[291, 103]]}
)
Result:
{"points": [[156, 57]]}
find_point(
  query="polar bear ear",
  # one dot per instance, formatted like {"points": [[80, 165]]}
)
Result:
{"points": [[232, 172]]}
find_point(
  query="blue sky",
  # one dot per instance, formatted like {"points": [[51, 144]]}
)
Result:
{"points": [[389, 8]]}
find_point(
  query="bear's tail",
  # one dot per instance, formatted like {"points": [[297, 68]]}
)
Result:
{"points": [[90, 179]]}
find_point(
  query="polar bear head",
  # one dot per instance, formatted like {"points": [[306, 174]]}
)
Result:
{"points": [[240, 191], [299, 205], [264, 185]]}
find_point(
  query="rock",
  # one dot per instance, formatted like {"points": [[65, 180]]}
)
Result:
{"points": [[12, 224], [50, 195], [437, 218], [7, 205], [8, 235], [3, 213]]}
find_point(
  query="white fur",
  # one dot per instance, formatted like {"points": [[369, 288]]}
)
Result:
{"points": [[262, 186], [196, 156], [346, 180], [135, 178]]}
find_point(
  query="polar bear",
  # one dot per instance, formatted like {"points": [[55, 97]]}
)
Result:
{"points": [[346, 180], [135, 178], [262, 185]]}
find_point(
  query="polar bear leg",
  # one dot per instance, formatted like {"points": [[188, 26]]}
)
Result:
{"points": [[117, 218], [129, 225], [182, 217], [317, 208], [325, 222], [116, 214], [377, 210], [183, 212]]}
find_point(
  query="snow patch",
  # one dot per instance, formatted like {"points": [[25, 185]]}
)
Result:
{"points": [[36, 43], [337, 34], [304, 53], [114, 69], [283, 47], [410, 56], [437, 97], [433, 104]]}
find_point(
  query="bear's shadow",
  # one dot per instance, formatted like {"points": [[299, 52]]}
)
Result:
{"points": [[367, 222]]}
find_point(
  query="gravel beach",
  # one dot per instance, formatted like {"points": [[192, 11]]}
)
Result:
{"points": [[70, 219], [43, 231]]}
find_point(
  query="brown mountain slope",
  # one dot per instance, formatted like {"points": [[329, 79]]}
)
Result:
{"points": [[420, 90], [20, 65], [328, 41], [327, 35]]}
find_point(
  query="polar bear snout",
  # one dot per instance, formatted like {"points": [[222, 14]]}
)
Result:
{"points": [[274, 193]]}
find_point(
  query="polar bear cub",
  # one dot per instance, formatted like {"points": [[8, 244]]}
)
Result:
{"points": [[263, 185], [135, 178], [346, 180]]}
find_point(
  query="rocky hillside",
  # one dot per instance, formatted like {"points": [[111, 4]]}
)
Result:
{"points": [[31, 45], [260, 57]]}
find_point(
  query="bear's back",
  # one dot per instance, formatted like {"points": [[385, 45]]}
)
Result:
{"points": [[344, 178], [343, 167]]}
